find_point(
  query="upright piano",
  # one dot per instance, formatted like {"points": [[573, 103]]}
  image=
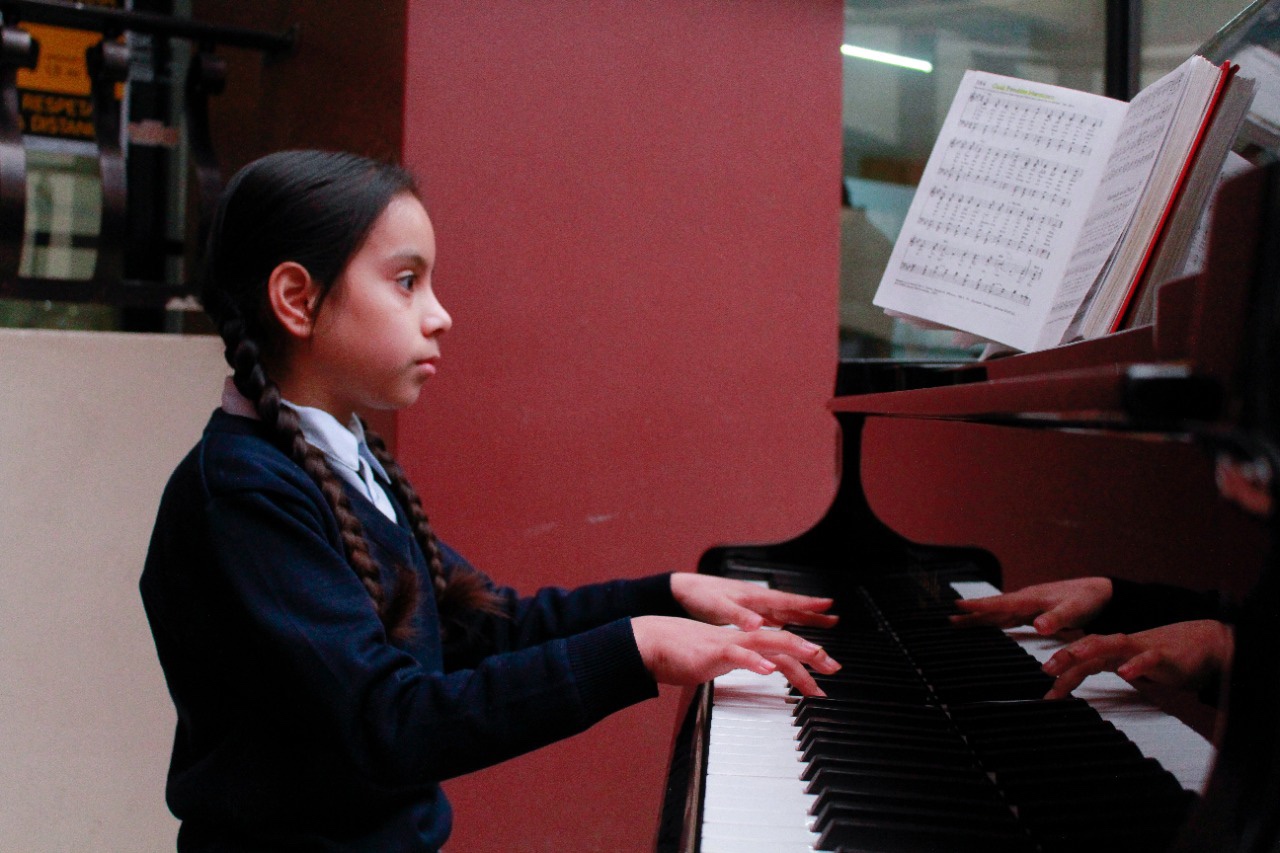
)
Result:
{"points": [[1098, 457]]}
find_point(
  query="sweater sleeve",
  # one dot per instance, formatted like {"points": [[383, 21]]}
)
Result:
{"points": [[1140, 606], [283, 621], [553, 613]]}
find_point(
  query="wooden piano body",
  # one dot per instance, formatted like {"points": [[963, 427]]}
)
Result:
{"points": [[1098, 457]]}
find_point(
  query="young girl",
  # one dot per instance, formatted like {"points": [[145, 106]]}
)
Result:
{"points": [[330, 660]]}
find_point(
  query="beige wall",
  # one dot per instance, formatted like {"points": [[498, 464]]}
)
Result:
{"points": [[91, 424]]}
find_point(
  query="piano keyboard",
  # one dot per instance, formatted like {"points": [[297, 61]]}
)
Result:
{"points": [[896, 775]]}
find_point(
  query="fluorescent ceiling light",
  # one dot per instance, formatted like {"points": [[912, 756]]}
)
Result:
{"points": [[887, 58]]}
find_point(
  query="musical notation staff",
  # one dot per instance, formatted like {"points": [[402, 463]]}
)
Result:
{"points": [[995, 274], [1046, 127], [1022, 175], [990, 222]]}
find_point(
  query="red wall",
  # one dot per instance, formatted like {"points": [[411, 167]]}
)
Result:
{"points": [[637, 215]]}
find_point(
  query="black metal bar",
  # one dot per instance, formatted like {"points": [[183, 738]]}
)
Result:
{"points": [[17, 50], [108, 64], [124, 292], [206, 75], [1123, 49], [78, 16]]}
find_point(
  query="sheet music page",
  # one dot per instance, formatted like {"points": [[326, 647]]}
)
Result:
{"points": [[1189, 132], [1001, 202], [1129, 168]]}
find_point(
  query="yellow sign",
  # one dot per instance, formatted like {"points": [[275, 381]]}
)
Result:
{"points": [[60, 68], [54, 98]]}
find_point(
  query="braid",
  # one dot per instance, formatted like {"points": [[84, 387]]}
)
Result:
{"points": [[315, 209], [252, 381], [460, 590]]}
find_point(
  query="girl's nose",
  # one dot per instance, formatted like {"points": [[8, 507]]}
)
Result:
{"points": [[436, 320]]}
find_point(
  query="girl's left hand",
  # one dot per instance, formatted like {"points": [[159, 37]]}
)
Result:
{"points": [[723, 601]]}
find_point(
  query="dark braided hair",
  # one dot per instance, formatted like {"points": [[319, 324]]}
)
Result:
{"points": [[316, 209]]}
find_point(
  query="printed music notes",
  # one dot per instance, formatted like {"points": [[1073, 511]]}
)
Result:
{"points": [[1045, 127], [1026, 195]]}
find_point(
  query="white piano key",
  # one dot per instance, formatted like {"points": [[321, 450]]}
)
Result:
{"points": [[773, 793], [751, 845], [756, 832], [753, 797]]}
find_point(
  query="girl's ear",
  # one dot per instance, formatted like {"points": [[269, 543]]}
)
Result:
{"points": [[294, 295]]}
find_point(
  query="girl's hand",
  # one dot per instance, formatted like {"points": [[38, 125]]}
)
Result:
{"points": [[1184, 654], [685, 653], [722, 601], [1048, 607]]}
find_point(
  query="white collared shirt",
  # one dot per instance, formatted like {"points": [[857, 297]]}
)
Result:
{"points": [[344, 447]]}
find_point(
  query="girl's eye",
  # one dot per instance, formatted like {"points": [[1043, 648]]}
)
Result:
{"points": [[407, 280]]}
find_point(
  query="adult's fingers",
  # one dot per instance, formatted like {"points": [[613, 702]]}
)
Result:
{"points": [[1087, 648], [1140, 665], [1072, 678], [1069, 613], [1002, 611]]}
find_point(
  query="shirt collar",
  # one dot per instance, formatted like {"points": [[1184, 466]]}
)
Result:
{"points": [[343, 446]]}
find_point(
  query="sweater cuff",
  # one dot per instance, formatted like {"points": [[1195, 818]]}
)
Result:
{"points": [[652, 596], [1136, 606], [608, 670]]}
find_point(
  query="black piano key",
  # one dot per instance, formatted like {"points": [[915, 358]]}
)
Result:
{"points": [[1116, 778], [876, 726], [883, 692], [1031, 686], [817, 705], [920, 751], [1060, 783], [842, 784], [870, 835], [977, 799], [824, 737], [979, 714], [887, 725], [949, 766], [1109, 837], [870, 675], [938, 665], [990, 815], [1135, 804], [1058, 734], [1101, 755]]}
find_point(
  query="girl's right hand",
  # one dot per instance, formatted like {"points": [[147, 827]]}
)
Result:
{"points": [[684, 652], [1047, 607]]}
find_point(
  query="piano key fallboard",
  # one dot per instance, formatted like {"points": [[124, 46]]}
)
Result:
{"points": [[936, 738]]}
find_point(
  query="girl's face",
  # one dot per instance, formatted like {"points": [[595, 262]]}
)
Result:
{"points": [[376, 338]]}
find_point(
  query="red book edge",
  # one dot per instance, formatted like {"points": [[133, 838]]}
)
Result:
{"points": [[1227, 71]]}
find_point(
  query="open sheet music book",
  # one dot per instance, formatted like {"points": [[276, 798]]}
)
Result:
{"points": [[1041, 209]]}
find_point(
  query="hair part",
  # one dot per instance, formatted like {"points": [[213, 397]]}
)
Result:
{"points": [[316, 209]]}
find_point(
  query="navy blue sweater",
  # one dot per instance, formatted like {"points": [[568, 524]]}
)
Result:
{"points": [[1136, 606], [300, 725]]}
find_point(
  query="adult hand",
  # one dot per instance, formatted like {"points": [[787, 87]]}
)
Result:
{"points": [[724, 601], [1184, 654], [684, 652], [1048, 607]]}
